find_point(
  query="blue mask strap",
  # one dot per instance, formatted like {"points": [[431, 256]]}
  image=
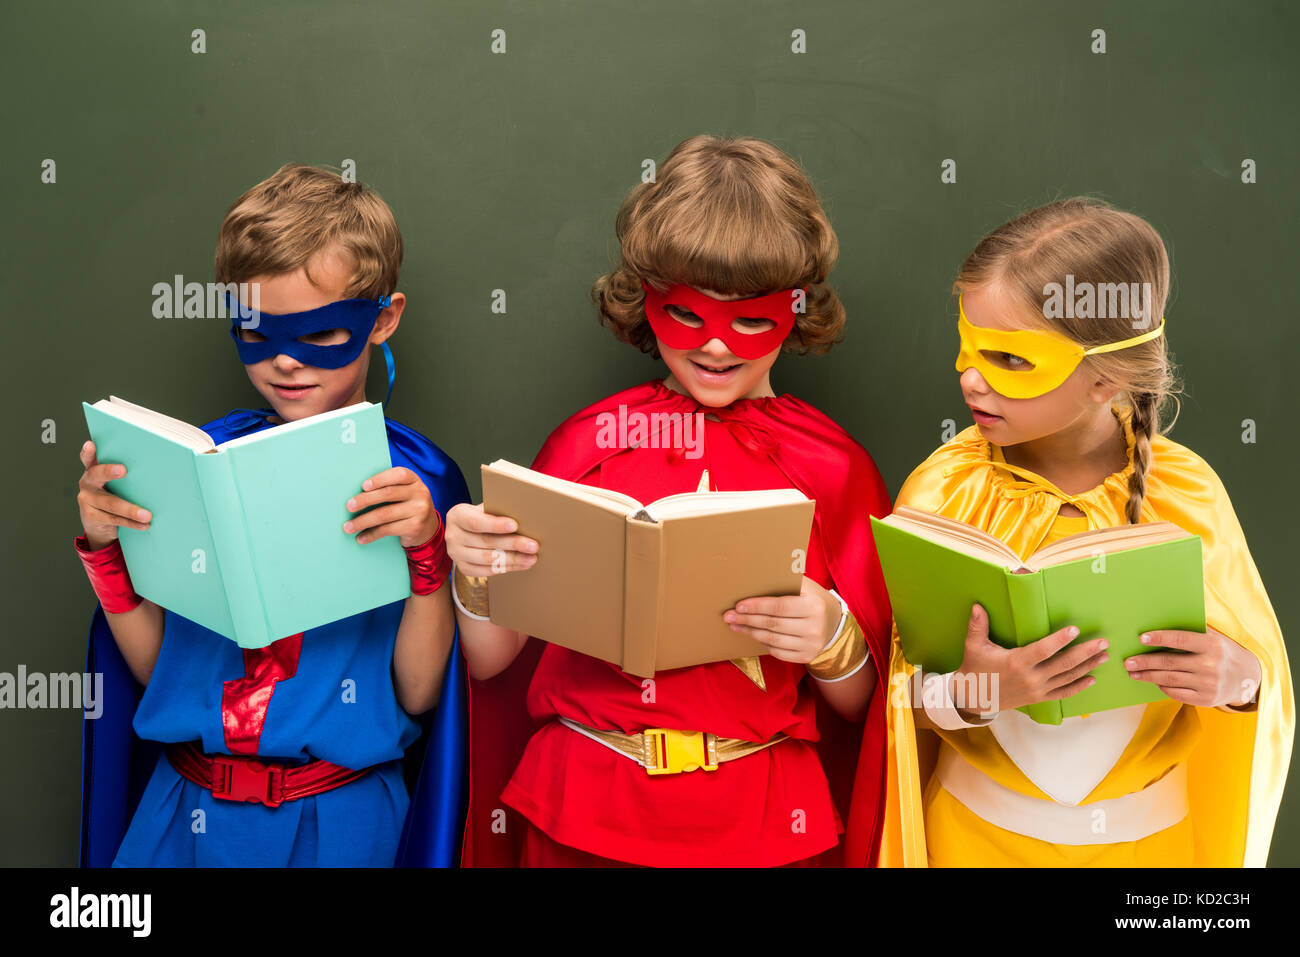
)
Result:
{"points": [[388, 356], [392, 372]]}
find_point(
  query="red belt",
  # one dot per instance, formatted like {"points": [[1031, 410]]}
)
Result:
{"points": [[238, 777]]}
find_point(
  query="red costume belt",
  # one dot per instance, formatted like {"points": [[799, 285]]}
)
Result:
{"points": [[238, 777]]}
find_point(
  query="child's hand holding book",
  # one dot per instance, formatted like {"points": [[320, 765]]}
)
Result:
{"points": [[481, 544], [102, 512], [1043, 670], [793, 627], [654, 580], [1210, 670], [136, 622], [1110, 585], [407, 509]]}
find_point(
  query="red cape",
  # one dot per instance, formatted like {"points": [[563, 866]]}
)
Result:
{"points": [[821, 460]]}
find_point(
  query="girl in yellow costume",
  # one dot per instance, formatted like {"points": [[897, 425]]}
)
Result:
{"points": [[1068, 438]]}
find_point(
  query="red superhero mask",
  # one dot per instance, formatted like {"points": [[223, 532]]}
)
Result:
{"points": [[718, 316]]}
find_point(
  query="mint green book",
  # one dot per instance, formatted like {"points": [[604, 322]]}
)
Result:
{"points": [[1114, 583], [247, 537]]}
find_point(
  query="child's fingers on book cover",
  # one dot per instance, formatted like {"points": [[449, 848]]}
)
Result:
{"points": [[1068, 658], [977, 627], [764, 624], [1181, 640], [1163, 661], [97, 504], [393, 519], [397, 475], [1049, 645], [1073, 688], [512, 546], [466, 518], [1080, 670], [97, 475], [396, 492], [489, 561], [1173, 679], [105, 508], [496, 533], [778, 606], [396, 529]]}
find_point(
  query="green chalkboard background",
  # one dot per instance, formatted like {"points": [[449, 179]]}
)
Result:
{"points": [[505, 172]]}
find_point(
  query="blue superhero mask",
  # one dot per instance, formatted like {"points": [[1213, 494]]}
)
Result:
{"points": [[284, 333]]}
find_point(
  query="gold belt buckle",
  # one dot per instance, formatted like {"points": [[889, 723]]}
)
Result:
{"points": [[675, 751]]}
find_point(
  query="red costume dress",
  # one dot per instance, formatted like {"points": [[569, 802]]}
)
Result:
{"points": [[772, 807]]}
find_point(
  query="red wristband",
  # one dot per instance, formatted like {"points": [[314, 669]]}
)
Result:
{"points": [[106, 569], [429, 563]]}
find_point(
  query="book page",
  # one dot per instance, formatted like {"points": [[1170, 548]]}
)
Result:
{"points": [[157, 423], [1117, 538], [601, 497], [712, 503], [953, 534]]}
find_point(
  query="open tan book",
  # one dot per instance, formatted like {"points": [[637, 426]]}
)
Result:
{"points": [[643, 586]]}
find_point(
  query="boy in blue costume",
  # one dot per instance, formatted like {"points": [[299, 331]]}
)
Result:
{"points": [[289, 755]]}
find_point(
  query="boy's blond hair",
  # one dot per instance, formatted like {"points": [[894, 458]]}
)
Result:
{"points": [[1095, 243], [278, 225], [733, 214]]}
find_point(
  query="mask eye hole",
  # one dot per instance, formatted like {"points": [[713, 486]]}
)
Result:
{"points": [[684, 316], [752, 324], [1007, 360], [326, 337], [250, 335]]}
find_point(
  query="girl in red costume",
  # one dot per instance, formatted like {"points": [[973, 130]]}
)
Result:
{"points": [[724, 264]]}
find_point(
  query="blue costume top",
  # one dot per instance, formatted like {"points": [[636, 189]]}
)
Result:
{"points": [[339, 705]]}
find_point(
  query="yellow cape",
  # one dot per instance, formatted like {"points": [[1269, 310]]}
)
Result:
{"points": [[1238, 769]]}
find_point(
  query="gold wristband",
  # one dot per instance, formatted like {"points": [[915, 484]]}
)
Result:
{"points": [[846, 654], [472, 592]]}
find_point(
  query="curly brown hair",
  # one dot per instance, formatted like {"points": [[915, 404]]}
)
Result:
{"points": [[734, 215]]}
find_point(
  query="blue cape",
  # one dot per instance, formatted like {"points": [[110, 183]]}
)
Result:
{"points": [[116, 764]]}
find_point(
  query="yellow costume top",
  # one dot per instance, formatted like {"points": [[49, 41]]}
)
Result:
{"points": [[1236, 763]]}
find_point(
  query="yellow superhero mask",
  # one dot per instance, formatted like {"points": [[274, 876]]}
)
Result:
{"points": [[1024, 363]]}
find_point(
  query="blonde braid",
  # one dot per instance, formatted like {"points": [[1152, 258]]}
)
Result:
{"points": [[1145, 423]]}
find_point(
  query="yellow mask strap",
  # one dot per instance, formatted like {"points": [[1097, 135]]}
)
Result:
{"points": [[1125, 343]]}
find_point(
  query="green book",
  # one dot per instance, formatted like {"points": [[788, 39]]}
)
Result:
{"points": [[1114, 583], [247, 537]]}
